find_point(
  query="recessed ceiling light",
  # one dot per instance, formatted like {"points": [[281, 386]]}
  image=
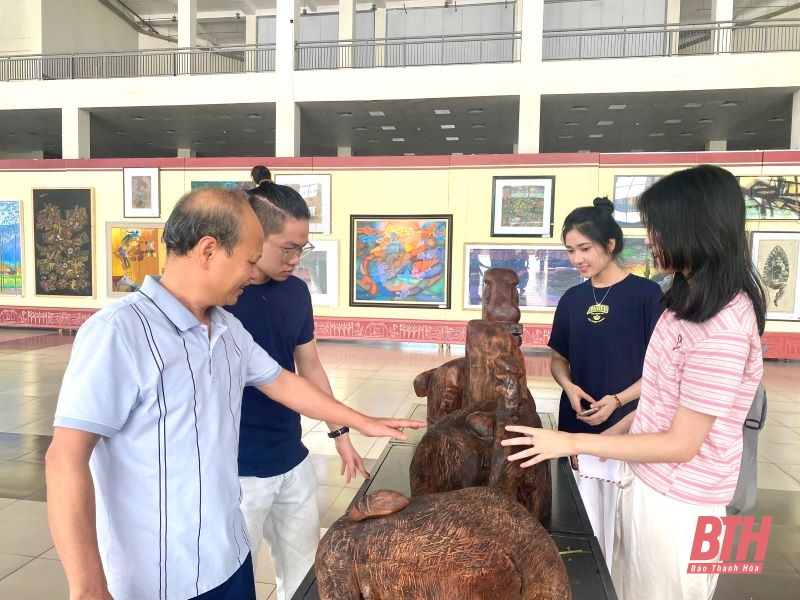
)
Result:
{"points": [[388, 127], [34, 133], [776, 119], [749, 132], [12, 134], [139, 118], [604, 123], [345, 114], [441, 111], [565, 137], [254, 116], [692, 105], [151, 143], [120, 132], [447, 126], [571, 124], [359, 128], [475, 111], [377, 113], [478, 126], [373, 140], [399, 139], [580, 108], [452, 138], [657, 134], [409, 154], [457, 154], [617, 106], [595, 135], [673, 121], [170, 131], [686, 133], [479, 139], [728, 103], [705, 120], [196, 142]]}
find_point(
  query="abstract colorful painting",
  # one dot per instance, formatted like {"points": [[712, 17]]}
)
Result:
{"points": [[522, 206], [771, 197], [62, 233], [544, 272], [10, 248], [134, 251], [627, 189], [637, 259], [400, 260]]}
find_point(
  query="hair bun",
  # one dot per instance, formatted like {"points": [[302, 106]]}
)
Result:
{"points": [[604, 204]]}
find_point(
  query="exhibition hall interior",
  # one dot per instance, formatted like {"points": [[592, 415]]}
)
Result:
{"points": [[485, 122]]}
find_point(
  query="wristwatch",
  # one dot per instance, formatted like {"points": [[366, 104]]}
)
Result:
{"points": [[338, 432]]}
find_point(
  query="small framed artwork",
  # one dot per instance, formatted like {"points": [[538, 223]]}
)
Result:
{"points": [[141, 193], [544, 272], [771, 197], [637, 259], [522, 206], [134, 251], [316, 191], [320, 271], [400, 260], [776, 256], [11, 261], [62, 233], [627, 189]]}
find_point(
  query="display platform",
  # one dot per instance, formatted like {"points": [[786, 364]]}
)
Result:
{"points": [[568, 523]]}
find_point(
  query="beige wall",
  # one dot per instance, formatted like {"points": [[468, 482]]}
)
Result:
{"points": [[20, 27], [75, 26]]}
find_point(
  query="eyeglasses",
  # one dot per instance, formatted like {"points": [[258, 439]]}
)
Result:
{"points": [[288, 254]]}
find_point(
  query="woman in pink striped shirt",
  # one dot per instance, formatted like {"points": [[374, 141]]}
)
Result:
{"points": [[701, 371]]}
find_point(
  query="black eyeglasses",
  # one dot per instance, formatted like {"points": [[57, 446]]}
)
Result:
{"points": [[289, 254]]}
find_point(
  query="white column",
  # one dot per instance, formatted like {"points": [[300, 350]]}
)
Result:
{"points": [[75, 132], [530, 107], [287, 113], [794, 142], [380, 32], [347, 31], [717, 145], [187, 23], [722, 11], [673, 18], [250, 29], [531, 24], [187, 152]]}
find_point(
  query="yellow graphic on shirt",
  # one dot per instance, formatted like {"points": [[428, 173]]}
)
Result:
{"points": [[596, 313]]}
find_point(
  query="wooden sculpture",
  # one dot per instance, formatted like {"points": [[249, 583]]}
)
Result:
{"points": [[470, 544]]}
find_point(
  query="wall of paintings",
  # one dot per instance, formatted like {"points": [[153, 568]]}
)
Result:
{"points": [[406, 238]]}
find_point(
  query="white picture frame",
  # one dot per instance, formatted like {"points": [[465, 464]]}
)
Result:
{"points": [[316, 191], [141, 191], [776, 256], [320, 272]]}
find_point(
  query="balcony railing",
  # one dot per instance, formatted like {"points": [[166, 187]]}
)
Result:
{"points": [[672, 40], [409, 51], [140, 63]]}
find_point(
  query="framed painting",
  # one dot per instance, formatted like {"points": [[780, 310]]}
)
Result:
{"points": [[11, 248], [627, 189], [400, 260], [545, 273], [141, 193], [316, 191], [320, 271], [228, 185], [62, 234], [637, 259], [771, 197], [522, 206], [134, 251], [776, 256]]}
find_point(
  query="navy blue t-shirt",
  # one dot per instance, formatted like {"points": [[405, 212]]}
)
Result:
{"points": [[279, 316], [605, 350]]}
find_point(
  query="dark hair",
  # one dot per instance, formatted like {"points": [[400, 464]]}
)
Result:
{"points": [[597, 223], [260, 173], [274, 203], [211, 211], [695, 220]]}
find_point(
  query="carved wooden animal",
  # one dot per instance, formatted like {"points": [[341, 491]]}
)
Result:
{"points": [[443, 386], [500, 296], [470, 544]]}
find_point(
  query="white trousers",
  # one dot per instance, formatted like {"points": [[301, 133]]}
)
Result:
{"points": [[600, 500], [653, 543], [283, 510]]}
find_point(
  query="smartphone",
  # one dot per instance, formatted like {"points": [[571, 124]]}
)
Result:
{"points": [[589, 412]]}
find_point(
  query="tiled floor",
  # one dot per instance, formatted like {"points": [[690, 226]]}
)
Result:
{"points": [[375, 378]]}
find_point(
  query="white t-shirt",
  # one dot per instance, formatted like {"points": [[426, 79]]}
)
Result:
{"points": [[145, 374]]}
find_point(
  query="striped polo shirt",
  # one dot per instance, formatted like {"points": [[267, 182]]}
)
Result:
{"points": [[166, 397], [712, 368]]}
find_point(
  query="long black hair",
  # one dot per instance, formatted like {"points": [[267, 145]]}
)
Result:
{"points": [[597, 223], [695, 220]]}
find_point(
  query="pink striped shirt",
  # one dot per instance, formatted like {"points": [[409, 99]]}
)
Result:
{"points": [[712, 368]]}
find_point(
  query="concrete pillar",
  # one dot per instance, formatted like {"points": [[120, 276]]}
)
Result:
{"points": [[530, 107], [794, 142], [722, 11], [187, 152], [75, 132], [250, 30], [347, 31], [673, 17], [380, 33], [187, 23], [717, 145], [531, 23], [287, 113]]}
